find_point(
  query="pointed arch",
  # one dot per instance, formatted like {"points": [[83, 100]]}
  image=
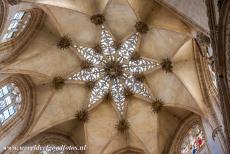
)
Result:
{"points": [[12, 48], [15, 126], [188, 125]]}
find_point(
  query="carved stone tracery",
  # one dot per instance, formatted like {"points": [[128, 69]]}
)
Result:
{"points": [[26, 88], [11, 49], [182, 132]]}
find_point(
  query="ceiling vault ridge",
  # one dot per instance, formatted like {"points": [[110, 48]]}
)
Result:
{"points": [[98, 69], [181, 46], [110, 68], [183, 17]]}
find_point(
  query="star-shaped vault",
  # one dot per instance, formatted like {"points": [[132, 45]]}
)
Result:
{"points": [[113, 70]]}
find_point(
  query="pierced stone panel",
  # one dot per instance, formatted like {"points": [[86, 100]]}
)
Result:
{"points": [[137, 87], [139, 66], [118, 94], [90, 55], [128, 47], [100, 89], [112, 72], [91, 74], [107, 43]]}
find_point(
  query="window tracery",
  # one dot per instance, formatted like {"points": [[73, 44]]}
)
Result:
{"points": [[190, 138], [10, 100], [17, 25], [193, 141]]}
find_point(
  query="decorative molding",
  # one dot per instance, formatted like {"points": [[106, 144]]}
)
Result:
{"points": [[3, 14], [209, 92], [182, 132], [13, 48], [215, 132], [26, 111], [220, 40], [204, 42], [208, 88]]}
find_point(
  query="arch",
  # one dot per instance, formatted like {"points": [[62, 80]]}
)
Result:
{"points": [[50, 140], [10, 102], [17, 126], [55, 139], [11, 49], [26, 87], [17, 25], [185, 107], [191, 123]]}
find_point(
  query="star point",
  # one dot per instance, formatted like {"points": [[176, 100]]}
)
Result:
{"points": [[113, 70]]}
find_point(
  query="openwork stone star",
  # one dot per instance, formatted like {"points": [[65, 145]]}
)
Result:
{"points": [[113, 71]]}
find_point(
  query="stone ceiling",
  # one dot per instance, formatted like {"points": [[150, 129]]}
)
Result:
{"points": [[168, 37]]}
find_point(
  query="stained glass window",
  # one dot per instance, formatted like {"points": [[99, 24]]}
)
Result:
{"points": [[16, 26], [193, 141], [10, 100]]}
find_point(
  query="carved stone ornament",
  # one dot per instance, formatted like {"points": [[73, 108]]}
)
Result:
{"points": [[58, 82], [98, 19], [202, 39], [215, 132], [82, 115], [166, 65], [64, 42], [122, 126]]}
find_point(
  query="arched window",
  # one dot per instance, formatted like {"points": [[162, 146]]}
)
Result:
{"points": [[193, 141], [189, 138], [17, 25], [19, 28], [10, 100]]}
